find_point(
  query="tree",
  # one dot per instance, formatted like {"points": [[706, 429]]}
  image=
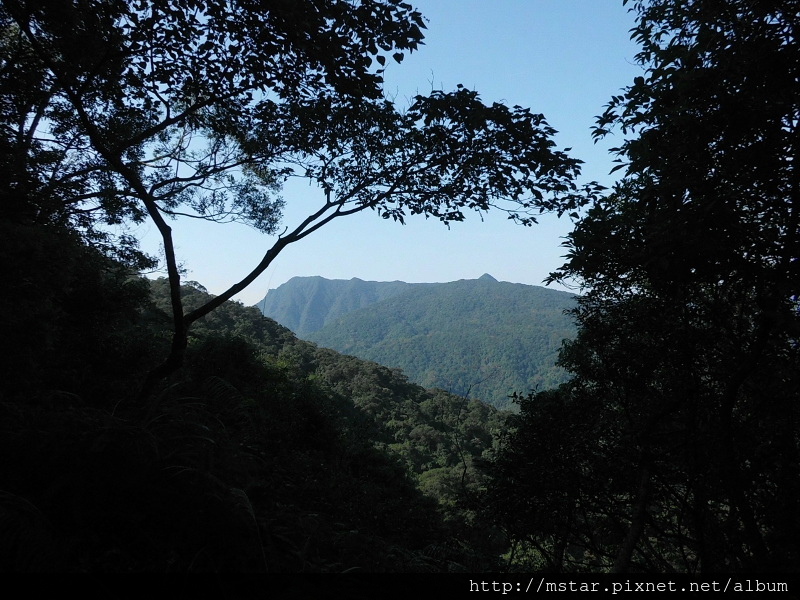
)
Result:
{"points": [[138, 110], [688, 351]]}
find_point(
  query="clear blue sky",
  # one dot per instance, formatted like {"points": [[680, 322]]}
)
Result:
{"points": [[563, 58]]}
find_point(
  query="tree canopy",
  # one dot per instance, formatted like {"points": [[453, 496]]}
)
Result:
{"points": [[118, 112], [675, 446]]}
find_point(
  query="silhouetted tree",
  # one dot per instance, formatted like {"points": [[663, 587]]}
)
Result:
{"points": [[687, 360], [147, 110]]}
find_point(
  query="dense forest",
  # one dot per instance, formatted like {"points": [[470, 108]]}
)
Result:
{"points": [[147, 425], [266, 454]]}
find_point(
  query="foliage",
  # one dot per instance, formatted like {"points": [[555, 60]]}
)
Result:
{"points": [[108, 96], [265, 454], [135, 110], [70, 316], [440, 439], [679, 430]]}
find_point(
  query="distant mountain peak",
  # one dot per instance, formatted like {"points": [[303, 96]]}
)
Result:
{"points": [[486, 277]]}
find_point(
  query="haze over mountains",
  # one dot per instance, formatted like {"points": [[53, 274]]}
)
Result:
{"points": [[478, 337]]}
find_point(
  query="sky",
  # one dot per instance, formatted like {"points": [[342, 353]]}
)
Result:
{"points": [[562, 58]]}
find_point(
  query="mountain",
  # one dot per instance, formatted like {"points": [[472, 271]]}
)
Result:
{"points": [[307, 304], [480, 338]]}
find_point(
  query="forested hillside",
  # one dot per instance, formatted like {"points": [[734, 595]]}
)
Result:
{"points": [[307, 304], [482, 338], [265, 453]]}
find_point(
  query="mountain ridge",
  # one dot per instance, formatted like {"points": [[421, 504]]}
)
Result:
{"points": [[474, 337], [306, 304]]}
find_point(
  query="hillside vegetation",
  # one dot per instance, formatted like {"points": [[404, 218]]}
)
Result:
{"points": [[307, 304], [481, 338], [264, 453]]}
